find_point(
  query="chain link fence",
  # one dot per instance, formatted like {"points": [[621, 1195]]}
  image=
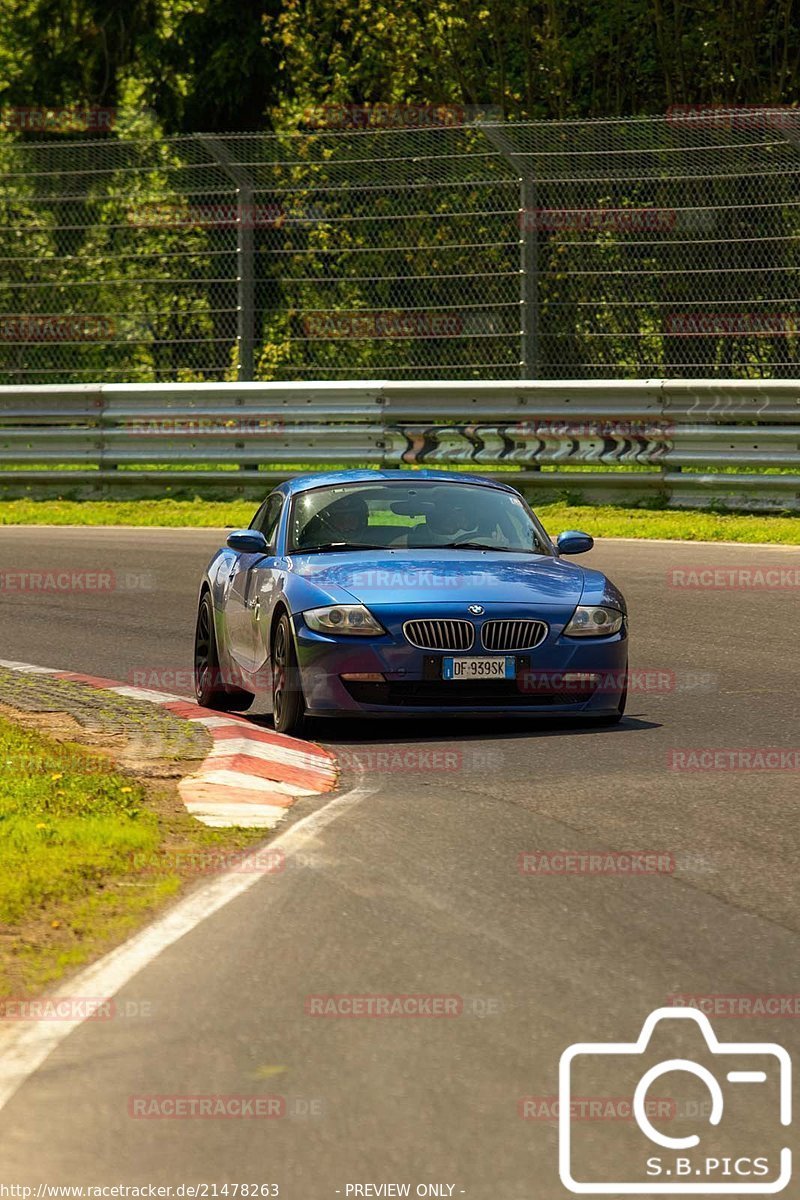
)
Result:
{"points": [[554, 250]]}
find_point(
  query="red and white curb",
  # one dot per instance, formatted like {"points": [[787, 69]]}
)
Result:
{"points": [[251, 777]]}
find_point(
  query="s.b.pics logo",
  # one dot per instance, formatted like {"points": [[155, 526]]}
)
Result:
{"points": [[724, 1130]]}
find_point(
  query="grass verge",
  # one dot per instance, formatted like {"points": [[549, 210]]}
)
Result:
{"points": [[689, 525], [599, 520], [87, 852]]}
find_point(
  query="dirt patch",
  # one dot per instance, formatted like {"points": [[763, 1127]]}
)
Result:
{"points": [[150, 731], [132, 753]]}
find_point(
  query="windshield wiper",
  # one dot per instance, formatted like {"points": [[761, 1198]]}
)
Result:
{"points": [[335, 546]]}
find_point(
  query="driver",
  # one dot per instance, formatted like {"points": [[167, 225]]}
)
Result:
{"points": [[448, 521], [345, 520]]}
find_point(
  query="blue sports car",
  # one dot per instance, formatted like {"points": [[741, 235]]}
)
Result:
{"points": [[400, 593]]}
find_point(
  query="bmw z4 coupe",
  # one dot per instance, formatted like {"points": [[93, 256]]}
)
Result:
{"points": [[391, 593]]}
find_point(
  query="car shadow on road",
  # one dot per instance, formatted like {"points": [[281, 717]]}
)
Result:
{"points": [[415, 731]]}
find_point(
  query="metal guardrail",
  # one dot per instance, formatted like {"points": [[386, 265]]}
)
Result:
{"points": [[697, 442]]}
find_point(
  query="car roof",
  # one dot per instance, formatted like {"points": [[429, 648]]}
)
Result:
{"points": [[302, 483]]}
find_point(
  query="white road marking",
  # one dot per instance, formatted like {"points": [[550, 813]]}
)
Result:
{"points": [[29, 669], [137, 693], [250, 816], [271, 752], [217, 722], [250, 783], [25, 1046]]}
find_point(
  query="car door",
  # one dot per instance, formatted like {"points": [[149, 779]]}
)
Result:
{"points": [[241, 601], [267, 589]]}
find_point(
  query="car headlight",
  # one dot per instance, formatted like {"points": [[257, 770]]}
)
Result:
{"points": [[343, 618], [594, 620]]}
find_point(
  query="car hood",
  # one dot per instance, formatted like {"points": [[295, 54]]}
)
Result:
{"points": [[436, 577]]}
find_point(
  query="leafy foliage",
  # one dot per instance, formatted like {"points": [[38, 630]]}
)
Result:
{"points": [[74, 241], [233, 64]]}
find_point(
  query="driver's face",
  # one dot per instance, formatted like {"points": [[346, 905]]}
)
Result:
{"points": [[348, 520], [456, 519]]}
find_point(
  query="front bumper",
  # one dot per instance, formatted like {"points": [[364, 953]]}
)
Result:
{"points": [[594, 669]]}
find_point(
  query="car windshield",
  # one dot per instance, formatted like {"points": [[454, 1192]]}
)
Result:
{"points": [[424, 515]]}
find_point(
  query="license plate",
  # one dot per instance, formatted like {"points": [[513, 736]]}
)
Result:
{"points": [[479, 668]]}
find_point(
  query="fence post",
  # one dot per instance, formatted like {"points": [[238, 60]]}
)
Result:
{"points": [[529, 280], [245, 254], [245, 282], [528, 252]]}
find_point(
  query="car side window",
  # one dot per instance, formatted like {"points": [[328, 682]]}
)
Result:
{"points": [[267, 517]]}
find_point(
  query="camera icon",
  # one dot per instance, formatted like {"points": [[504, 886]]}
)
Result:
{"points": [[691, 1164]]}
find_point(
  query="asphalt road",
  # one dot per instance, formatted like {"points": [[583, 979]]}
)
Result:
{"points": [[416, 888]]}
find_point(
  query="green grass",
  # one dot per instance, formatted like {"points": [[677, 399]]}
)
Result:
{"points": [[73, 833], [688, 525], [174, 513], [66, 822], [601, 520]]}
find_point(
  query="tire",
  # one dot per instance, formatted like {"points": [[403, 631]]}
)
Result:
{"points": [[208, 686], [288, 704]]}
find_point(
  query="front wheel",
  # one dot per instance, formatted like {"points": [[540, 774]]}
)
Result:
{"points": [[288, 705]]}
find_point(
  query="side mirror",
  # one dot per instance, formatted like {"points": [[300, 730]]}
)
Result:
{"points": [[573, 542], [248, 541]]}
